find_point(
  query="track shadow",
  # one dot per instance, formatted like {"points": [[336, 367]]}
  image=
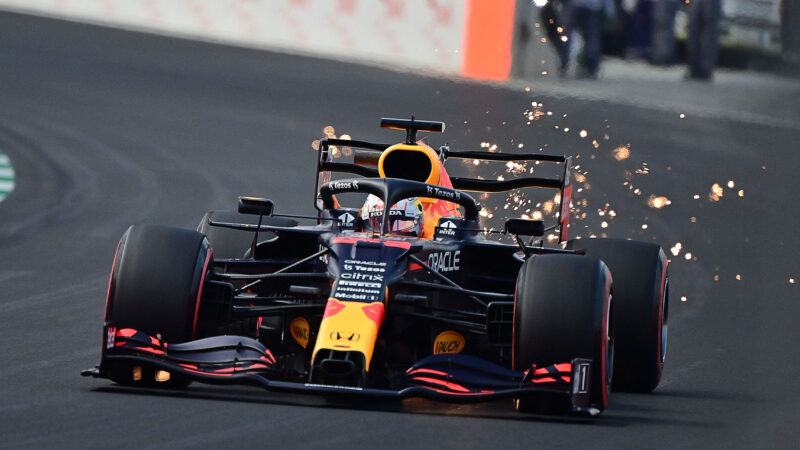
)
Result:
{"points": [[618, 415], [706, 395]]}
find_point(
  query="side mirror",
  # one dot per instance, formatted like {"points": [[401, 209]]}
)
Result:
{"points": [[525, 227], [255, 205]]}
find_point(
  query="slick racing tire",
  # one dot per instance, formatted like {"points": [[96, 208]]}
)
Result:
{"points": [[229, 243], [155, 287], [641, 308], [562, 311]]}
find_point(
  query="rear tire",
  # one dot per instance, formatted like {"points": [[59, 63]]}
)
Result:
{"points": [[155, 287], [641, 308], [229, 243], [561, 312]]}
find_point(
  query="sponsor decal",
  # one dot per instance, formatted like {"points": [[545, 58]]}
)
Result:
{"points": [[448, 342], [300, 330], [333, 386], [347, 218], [448, 261], [346, 185], [111, 336], [392, 212], [345, 336], [362, 276], [445, 194], [581, 377], [448, 228], [360, 280]]}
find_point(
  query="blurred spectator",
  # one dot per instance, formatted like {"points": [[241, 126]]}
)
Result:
{"points": [[639, 28], [584, 17], [664, 31], [701, 50], [553, 15]]}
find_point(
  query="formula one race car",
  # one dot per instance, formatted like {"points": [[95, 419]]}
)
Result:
{"points": [[404, 297]]}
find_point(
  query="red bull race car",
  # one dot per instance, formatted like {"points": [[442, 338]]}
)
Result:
{"points": [[406, 300]]}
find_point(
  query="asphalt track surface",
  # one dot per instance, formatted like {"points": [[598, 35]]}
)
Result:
{"points": [[107, 128]]}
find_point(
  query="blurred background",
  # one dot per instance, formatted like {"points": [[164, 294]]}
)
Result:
{"points": [[473, 38]]}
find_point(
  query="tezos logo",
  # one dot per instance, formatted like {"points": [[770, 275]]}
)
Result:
{"points": [[346, 185]]}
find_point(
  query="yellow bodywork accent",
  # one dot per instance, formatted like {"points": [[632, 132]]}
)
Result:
{"points": [[350, 326], [448, 342], [162, 376], [299, 329], [436, 163], [434, 209]]}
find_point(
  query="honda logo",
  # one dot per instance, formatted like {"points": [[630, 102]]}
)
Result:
{"points": [[342, 336]]}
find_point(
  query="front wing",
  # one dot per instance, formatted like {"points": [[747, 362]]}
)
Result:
{"points": [[446, 377]]}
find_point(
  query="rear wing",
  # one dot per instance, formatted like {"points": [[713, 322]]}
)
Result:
{"points": [[367, 154], [563, 184]]}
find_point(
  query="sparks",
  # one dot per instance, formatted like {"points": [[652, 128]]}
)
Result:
{"points": [[622, 152], [658, 202], [716, 192], [676, 249]]}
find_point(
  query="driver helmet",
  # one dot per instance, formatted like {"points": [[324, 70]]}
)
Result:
{"points": [[405, 217]]}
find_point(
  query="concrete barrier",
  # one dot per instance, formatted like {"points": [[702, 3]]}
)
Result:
{"points": [[470, 38]]}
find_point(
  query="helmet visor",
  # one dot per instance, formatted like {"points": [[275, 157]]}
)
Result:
{"points": [[398, 223]]}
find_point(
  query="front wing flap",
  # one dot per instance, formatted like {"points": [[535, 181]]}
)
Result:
{"points": [[450, 378]]}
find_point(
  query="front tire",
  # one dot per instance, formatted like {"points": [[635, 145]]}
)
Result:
{"points": [[155, 287], [561, 312]]}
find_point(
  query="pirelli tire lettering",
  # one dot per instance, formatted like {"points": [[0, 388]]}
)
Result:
{"points": [[447, 261]]}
